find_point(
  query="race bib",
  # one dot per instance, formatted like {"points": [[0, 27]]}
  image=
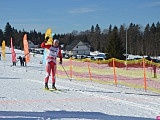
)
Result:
{"points": [[53, 52]]}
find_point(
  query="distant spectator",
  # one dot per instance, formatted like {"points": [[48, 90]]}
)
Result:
{"points": [[21, 60], [24, 61], [14, 63]]}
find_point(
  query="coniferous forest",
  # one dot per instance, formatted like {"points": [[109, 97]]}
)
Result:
{"points": [[141, 40]]}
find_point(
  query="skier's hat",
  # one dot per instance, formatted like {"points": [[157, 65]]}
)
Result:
{"points": [[55, 40]]}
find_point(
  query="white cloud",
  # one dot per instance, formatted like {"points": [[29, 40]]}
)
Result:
{"points": [[25, 20], [82, 10], [76, 24], [152, 4]]}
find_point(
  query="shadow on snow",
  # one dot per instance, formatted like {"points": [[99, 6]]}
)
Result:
{"points": [[62, 115]]}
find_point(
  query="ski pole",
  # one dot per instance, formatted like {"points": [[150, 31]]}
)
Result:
{"points": [[66, 72]]}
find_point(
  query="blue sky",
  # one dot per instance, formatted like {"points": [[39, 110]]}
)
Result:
{"points": [[64, 16]]}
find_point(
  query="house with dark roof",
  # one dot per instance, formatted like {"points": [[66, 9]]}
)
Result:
{"points": [[78, 47]]}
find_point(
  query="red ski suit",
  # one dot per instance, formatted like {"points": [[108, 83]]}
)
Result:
{"points": [[51, 61]]}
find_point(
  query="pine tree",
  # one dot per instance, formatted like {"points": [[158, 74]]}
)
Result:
{"points": [[115, 48], [92, 29], [8, 33], [1, 36], [97, 37]]}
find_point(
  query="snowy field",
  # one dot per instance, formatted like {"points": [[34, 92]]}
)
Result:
{"points": [[22, 97]]}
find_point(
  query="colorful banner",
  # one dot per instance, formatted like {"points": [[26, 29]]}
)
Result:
{"points": [[49, 34], [4, 50], [26, 48], [13, 52]]}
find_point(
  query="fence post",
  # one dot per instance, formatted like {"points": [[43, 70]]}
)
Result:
{"points": [[89, 70], [114, 70], [144, 73], [71, 68], [154, 70]]}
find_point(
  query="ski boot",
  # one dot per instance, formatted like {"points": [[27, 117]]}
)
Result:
{"points": [[53, 86], [46, 86]]}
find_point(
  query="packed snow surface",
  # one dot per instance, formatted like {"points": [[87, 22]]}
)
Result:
{"points": [[22, 96]]}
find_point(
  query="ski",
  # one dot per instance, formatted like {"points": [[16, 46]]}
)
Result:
{"points": [[52, 90]]}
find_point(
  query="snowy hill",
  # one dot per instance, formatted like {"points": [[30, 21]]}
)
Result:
{"points": [[22, 97]]}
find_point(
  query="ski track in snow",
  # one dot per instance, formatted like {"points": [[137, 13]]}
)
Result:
{"points": [[22, 96]]}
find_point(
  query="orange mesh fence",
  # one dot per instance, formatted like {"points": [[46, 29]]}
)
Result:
{"points": [[142, 74]]}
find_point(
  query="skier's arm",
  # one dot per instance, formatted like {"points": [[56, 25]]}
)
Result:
{"points": [[45, 46], [60, 55]]}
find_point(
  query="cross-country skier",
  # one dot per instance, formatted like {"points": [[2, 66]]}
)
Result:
{"points": [[54, 52]]}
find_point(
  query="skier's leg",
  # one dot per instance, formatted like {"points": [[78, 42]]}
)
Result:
{"points": [[53, 75], [48, 71]]}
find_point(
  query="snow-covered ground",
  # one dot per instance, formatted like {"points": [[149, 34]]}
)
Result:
{"points": [[22, 97]]}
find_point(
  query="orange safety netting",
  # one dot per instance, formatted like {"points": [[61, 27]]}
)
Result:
{"points": [[142, 74]]}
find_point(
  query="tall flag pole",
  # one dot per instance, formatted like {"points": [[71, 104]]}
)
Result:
{"points": [[49, 42], [26, 49], [3, 50], [13, 52], [45, 52]]}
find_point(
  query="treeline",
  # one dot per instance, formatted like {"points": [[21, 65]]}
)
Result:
{"points": [[112, 40]]}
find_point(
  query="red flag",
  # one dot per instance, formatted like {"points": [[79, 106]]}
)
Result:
{"points": [[13, 52], [26, 49]]}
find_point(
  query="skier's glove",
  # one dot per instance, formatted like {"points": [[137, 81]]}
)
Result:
{"points": [[60, 62], [46, 39]]}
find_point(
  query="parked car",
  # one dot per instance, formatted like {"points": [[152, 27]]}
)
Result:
{"points": [[90, 57], [98, 58]]}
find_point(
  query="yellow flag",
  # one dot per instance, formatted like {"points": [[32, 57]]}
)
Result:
{"points": [[49, 34], [3, 50]]}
